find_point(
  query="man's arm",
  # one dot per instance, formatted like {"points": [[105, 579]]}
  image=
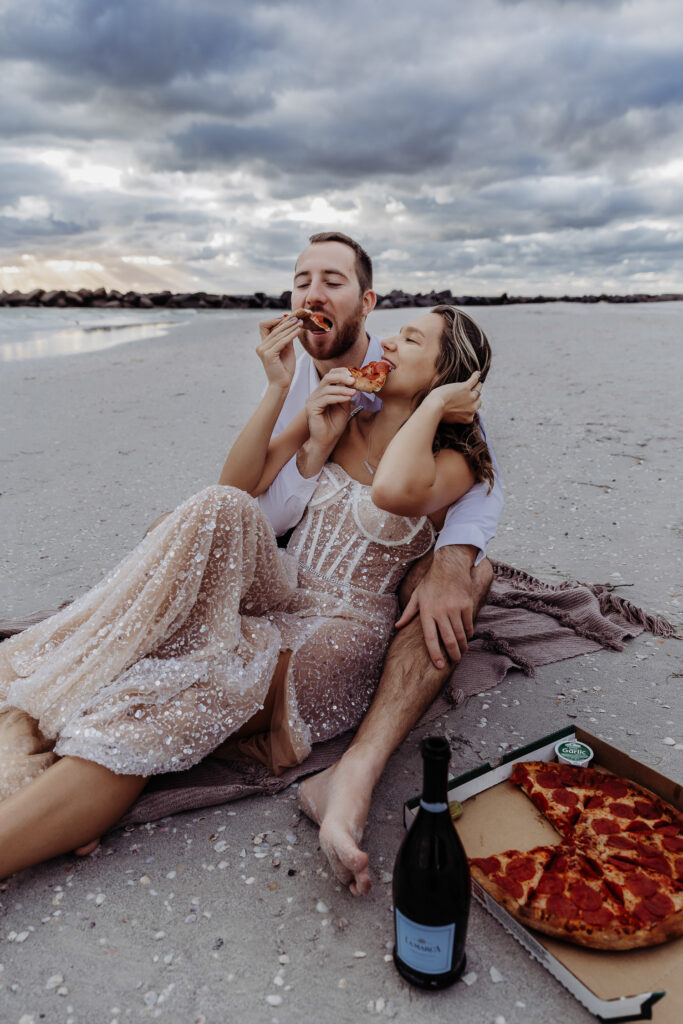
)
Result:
{"points": [[473, 519], [443, 598]]}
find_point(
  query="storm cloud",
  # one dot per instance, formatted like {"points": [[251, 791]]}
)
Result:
{"points": [[517, 145]]}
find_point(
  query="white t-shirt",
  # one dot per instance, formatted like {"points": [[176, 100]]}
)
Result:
{"points": [[471, 520]]}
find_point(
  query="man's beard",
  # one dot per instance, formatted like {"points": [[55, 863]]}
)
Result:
{"points": [[347, 336]]}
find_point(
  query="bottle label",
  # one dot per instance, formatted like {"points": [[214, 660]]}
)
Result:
{"points": [[425, 949]]}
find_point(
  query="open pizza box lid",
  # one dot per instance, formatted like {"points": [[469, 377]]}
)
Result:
{"points": [[497, 816]]}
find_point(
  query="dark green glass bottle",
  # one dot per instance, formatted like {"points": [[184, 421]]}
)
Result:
{"points": [[431, 884]]}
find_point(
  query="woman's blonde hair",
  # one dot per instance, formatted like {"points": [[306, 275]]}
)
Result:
{"points": [[464, 348]]}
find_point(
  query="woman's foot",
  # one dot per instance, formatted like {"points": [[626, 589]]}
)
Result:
{"points": [[338, 800], [83, 851]]}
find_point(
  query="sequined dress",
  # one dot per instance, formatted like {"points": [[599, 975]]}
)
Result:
{"points": [[176, 648]]}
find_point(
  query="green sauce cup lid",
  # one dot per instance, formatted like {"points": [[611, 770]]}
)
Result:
{"points": [[573, 752]]}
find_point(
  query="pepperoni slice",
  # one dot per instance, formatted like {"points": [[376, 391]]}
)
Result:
{"points": [[622, 843], [644, 915], [547, 779], [613, 787], [593, 867], [666, 828], [678, 868], [646, 809], [540, 801], [615, 890], [638, 826], [674, 844], [550, 885], [562, 907], [655, 862], [622, 810], [641, 885], [624, 866], [514, 887], [605, 827], [595, 802], [565, 797], [489, 865], [659, 905], [521, 868], [600, 918], [584, 897], [559, 864]]}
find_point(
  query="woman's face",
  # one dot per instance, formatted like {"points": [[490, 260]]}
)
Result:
{"points": [[413, 353]]}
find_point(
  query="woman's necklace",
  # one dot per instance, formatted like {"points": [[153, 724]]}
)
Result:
{"points": [[366, 462]]}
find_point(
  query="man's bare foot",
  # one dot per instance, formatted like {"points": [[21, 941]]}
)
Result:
{"points": [[338, 800], [83, 851]]}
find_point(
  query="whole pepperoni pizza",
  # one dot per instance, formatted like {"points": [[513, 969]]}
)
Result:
{"points": [[615, 881]]}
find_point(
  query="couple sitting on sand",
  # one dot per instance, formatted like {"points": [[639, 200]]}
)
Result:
{"points": [[209, 632]]}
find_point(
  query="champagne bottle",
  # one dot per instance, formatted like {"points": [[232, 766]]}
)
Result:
{"points": [[431, 884]]}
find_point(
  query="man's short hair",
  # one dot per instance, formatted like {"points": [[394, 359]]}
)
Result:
{"points": [[363, 261]]}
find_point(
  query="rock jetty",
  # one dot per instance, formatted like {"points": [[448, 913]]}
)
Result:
{"points": [[100, 298]]}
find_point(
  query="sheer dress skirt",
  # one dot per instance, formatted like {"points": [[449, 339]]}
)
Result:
{"points": [[177, 647]]}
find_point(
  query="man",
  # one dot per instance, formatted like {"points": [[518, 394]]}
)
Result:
{"points": [[441, 596]]}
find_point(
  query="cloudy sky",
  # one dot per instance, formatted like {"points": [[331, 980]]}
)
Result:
{"points": [[502, 145]]}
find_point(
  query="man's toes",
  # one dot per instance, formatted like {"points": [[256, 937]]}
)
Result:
{"points": [[341, 872], [349, 862]]}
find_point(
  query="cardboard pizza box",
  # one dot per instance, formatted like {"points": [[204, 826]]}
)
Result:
{"points": [[642, 984]]}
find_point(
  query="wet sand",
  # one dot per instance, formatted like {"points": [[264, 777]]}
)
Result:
{"points": [[583, 410]]}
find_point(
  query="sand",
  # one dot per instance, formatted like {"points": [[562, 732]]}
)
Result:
{"points": [[165, 921]]}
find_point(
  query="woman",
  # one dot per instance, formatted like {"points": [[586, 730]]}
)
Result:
{"points": [[206, 630]]}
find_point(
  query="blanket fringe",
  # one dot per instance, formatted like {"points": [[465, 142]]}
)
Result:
{"points": [[611, 602], [497, 645], [537, 604]]}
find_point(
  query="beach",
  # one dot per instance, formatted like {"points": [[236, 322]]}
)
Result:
{"points": [[186, 919]]}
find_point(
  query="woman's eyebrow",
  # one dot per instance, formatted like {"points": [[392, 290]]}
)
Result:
{"points": [[413, 330]]}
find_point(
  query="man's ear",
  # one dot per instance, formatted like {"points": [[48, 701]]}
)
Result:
{"points": [[369, 302]]}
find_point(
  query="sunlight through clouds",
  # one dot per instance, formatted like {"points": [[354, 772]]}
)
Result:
{"points": [[195, 148]]}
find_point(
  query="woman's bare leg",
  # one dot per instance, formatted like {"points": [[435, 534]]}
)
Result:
{"points": [[73, 802]]}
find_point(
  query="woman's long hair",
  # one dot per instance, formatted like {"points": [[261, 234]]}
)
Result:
{"points": [[464, 349]]}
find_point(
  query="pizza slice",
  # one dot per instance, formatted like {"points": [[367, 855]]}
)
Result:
{"points": [[512, 876], [653, 900], [371, 377], [659, 851], [573, 902], [311, 321], [559, 791]]}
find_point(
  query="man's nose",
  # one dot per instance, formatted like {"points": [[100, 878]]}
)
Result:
{"points": [[315, 293]]}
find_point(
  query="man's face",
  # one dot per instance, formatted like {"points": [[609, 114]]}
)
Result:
{"points": [[325, 281]]}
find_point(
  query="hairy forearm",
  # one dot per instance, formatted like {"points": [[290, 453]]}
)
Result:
{"points": [[454, 556], [246, 460]]}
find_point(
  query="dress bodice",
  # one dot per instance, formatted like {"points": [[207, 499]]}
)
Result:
{"points": [[346, 539]]}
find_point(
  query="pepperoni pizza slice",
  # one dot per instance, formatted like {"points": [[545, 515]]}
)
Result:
{"points": [[559, 791], [371, 377], [511, 877], [603, 905]]}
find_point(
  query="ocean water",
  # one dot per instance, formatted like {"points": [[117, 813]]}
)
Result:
{"points": [[34, 333]]}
